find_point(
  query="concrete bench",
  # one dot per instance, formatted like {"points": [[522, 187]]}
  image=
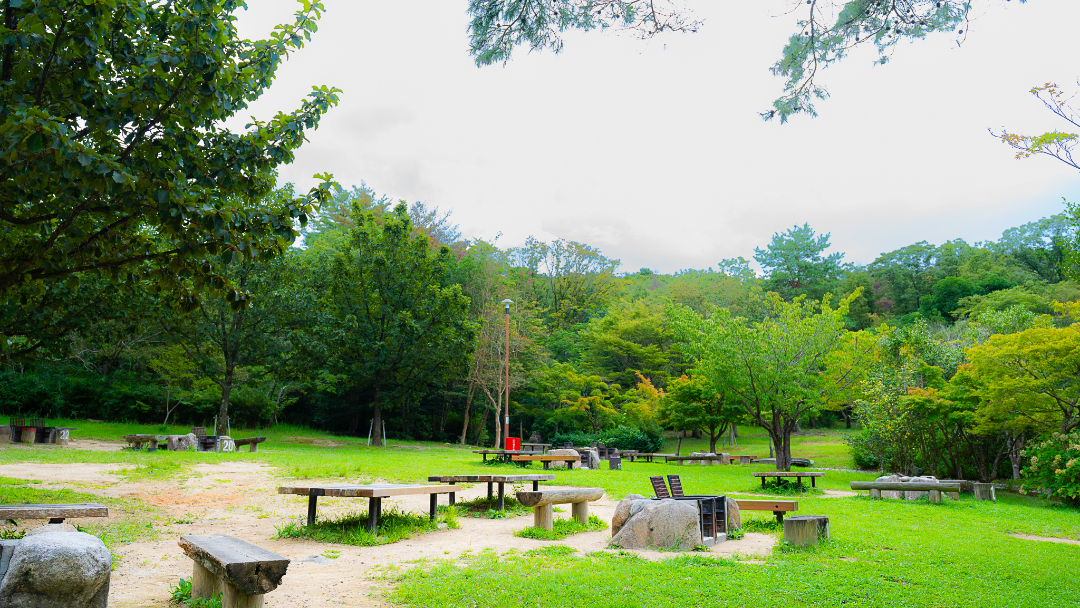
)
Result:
{"points": [[252, 441], [934, 489], [778, 507], [721, 458], [546, 459], [241, 572], [541, 502], [56, 514]]}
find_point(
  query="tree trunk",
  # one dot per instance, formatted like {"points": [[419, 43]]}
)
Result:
{"points": [[223, 411], [847, 416], [678, 446], [713, 437], [377, 420], [468, 406], [782, 441], [483, 425]]}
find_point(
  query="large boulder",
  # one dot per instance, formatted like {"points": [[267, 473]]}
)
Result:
{"points": [[535, 437], [183, 443], [622, 511], [57, 569], [593, 457], [890, 493], [917, 495], [564, 452], [734, 519], [704, 462], [660, 524]]}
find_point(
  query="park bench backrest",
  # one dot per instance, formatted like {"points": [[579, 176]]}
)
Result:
{"points": [[676, 485], [198, 431], [36, 423], [659, 487], [18, 422]]}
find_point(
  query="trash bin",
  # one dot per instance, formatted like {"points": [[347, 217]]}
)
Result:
{"points": [[513, 443]]}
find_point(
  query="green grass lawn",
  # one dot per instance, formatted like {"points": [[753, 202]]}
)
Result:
{"points": [[895, 553]]}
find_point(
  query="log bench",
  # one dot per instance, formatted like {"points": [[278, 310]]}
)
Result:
{"points": [[252, 441], [56, 514], [241, 572], [541, 502], [934, 489], [547, 459], [778, 507]]}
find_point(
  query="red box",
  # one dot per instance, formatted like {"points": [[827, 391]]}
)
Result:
{"points": [[513, 443]]}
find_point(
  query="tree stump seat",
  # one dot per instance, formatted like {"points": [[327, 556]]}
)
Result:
{"points": [[806, 529], [541, 502], [241, 572]]}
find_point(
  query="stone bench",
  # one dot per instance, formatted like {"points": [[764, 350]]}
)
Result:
{"points": [[252, 441], [541, 502], [546, 459], [241, 572], [934, 488]]}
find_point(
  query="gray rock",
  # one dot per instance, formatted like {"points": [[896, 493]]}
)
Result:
{"points": [[734, 519], [535, 437], [594, 459], [50, 528], [704, 462], [661, 524], [564, 452], [889, 493], [315, 559], [54, 570], [622, 512], [183, 442], [918, 495]]}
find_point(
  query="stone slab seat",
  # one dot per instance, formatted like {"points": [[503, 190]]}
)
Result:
{"points": [[56, 514], [934, 488], [252, 441], [541, 502], [237, 569]]}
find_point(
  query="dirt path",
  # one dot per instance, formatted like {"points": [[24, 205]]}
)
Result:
{"points": [[240, 499]]}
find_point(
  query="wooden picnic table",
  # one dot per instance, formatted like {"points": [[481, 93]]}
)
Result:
{"points": [[798, 475], [721, 458], [493, 479], [648, 456], [504, 455], [56, 514], [546, 459], [374, 492], [535, 447]]}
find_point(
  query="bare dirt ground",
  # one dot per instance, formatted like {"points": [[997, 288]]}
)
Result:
{"points": [[240, 499], [1047, 539]]}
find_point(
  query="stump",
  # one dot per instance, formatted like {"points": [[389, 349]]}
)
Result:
{"points": [[28, 435], [806, 529], [985, 491]]}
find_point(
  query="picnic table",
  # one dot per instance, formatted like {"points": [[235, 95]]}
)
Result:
{"points": [[648, 456], [535, 447], [56, 514], [798, 475], [374, 492], [493, 479], [503, 455]]}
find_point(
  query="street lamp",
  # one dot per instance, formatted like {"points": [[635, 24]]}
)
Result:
{"points": [[506, 428]]}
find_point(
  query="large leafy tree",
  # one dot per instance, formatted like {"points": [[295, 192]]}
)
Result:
{"points": [[391, 328], [113, 154], [794, 264]]}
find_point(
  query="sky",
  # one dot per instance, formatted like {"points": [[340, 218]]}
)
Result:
{"points": [[653, 151]]}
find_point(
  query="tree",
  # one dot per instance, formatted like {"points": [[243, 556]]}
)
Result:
{"points": [[793, 263], [178, 373], [391, 329], [775, 366], [1055, 144], [115, 158], [696, 403], [574, 281]]}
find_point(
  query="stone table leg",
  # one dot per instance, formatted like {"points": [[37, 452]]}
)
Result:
{"points": [[489, 491], [374, 507], [311, 502], [580, 511], [434, 506], [502, 498]]}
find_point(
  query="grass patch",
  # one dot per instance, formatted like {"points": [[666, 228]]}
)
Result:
{"points": [[181, 596], [561, 528], [483, 507], [351, 528], [784, 487]]}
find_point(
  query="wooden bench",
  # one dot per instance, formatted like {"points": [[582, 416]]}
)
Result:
{"points": [[503, 455], [933, 489], [742, 459], [648, 456], [721, 458], [56, 514], [541, 502], [241, 572], [492, 479], [374, 492], [546, 459], [798, 475], [252, 441], [778, 507]]}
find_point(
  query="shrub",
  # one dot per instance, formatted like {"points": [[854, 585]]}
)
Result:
{"points": [[1054, 467], [622, 438], [861, 453]]}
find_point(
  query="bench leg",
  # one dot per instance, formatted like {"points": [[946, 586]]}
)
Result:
{"points": [[813, 482], [542, 517], [779, 517], [547, 465], [254, 447], [434, 506], [489, 491], [56, 520], [204, 583], [452, 499], [231, 597], [373, 509], [935, 497], [502, 497], [311, 502], [580, 511], [875, 493], [763, 482], [536, 486], [798, 482]]}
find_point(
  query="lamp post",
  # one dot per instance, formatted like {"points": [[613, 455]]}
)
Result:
{"points": [[506, 420]]}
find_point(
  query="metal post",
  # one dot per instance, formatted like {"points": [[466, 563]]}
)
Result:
{"points": [[369, 428], [506, 411]]}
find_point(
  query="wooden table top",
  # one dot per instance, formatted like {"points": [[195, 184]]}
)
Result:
{"points": [[494, 451], [88, 509], [372, 490], [789, 474], [492, 478]]}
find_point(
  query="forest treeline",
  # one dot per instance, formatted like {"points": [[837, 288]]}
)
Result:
{"points": [[385, 315]]}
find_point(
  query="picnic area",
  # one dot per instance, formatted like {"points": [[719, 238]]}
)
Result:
{"points": [[155, 498]]}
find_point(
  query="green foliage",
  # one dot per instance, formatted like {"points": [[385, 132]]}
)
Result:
{"points": [[116, 166], [621, 437], [794, 265], [351, 528], [1054, 467], [561, 528], [181, 596], [482, 507]]}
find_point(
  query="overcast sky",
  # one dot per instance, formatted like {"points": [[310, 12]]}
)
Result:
{"points": [[653, 151]]}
